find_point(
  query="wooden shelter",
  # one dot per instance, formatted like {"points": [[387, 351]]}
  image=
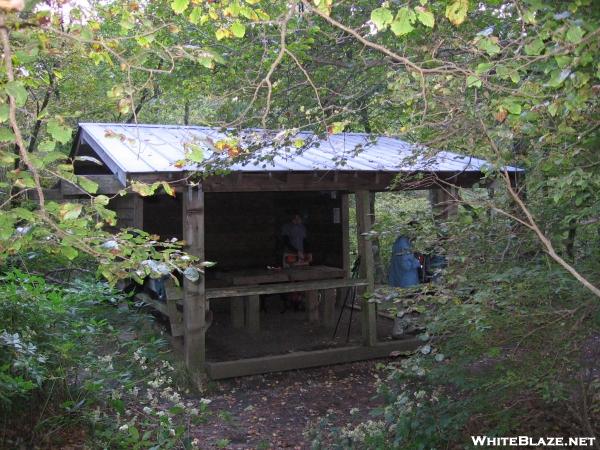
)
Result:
{"points": [[233, 218]]}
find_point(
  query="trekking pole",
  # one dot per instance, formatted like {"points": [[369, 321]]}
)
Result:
{"points": [[351, 291]]}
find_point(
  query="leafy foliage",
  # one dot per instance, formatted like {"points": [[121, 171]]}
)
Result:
{"points": [[512, 82], [74, 358]]}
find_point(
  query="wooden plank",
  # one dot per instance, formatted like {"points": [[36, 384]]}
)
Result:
{"points": [[342, 181], [107, 184], [138, 211], [367, 265], [328, 297], [194, 299], [175, 317], [302, 360], [236, 308], [312, 305], [345, 219], [253, 313], [308, 273], [282, 288]]}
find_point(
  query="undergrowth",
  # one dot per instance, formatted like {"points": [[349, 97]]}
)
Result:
{"points": [[79, 366]]}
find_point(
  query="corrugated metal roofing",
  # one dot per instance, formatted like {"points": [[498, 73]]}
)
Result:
{"points": [[135, 148]]}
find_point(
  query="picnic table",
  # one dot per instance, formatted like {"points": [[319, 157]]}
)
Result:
{"points": [[244, 287]]}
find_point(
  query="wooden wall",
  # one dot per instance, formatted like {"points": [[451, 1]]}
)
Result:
{"points": [[125, 207], [243, 230], [163, 215]]}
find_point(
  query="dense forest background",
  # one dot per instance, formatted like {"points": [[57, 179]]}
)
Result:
{"points": [[514, 324]]}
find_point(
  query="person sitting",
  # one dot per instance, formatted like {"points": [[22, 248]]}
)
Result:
{"points": [[294, 241]]}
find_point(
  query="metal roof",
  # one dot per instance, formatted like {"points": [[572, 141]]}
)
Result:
{"points": [[136, 149]]}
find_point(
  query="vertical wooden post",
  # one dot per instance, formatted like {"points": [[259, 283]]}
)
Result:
{"points": [[138, 211], [194, 300], [253, 313], [345, 219], [236, 308], [328, 297], [346, 259], [367, 266], [443, 201], [312, 305]]}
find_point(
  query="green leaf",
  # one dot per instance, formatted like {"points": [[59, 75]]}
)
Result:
{"points": [[6, 135], [489, 46], [88, 185], [238, 29], [222, 33], [483, 67], [179, 6], [68, 252], [70, 211], [535, 47], [553, 109], [575, 34], [456, 12], [101, 200], [168, 188], [135, 434], [558, 77], [4, 109], [143, 189], [336, 127], [16, 90], [514, 76], [381, 17], [425, 16], [402, 24], [195, 16], [473, 81], [512, 107], [47, 145], [59, 132], [562, 61], [196, 153]]}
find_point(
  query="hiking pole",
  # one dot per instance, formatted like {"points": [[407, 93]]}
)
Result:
{"points": [[352, 290]]}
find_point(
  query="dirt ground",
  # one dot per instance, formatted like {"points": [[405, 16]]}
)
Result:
{"points": [[273, 411]]}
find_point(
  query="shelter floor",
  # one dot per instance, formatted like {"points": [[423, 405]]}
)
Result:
{"points": [[281, 333]]}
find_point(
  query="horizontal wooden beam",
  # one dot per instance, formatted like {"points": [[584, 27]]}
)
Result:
{"points": [[302, 360], [282, 288], [107, 184], [321, 181]]}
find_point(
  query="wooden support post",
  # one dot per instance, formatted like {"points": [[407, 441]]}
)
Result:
{"points": [[312, 305], [174, 295], [328, 297], [138, 211], [253, 313], [195, 305], [443, 201], [367, 266], [346, 259], [236, 307]]}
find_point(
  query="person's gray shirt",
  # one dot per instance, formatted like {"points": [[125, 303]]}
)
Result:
{"points": [[296, 233]]}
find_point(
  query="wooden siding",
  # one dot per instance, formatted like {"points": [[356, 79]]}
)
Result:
{"points": [[244, 229]]}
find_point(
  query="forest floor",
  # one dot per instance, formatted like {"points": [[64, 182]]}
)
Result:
{"points": [[274, 411]]}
